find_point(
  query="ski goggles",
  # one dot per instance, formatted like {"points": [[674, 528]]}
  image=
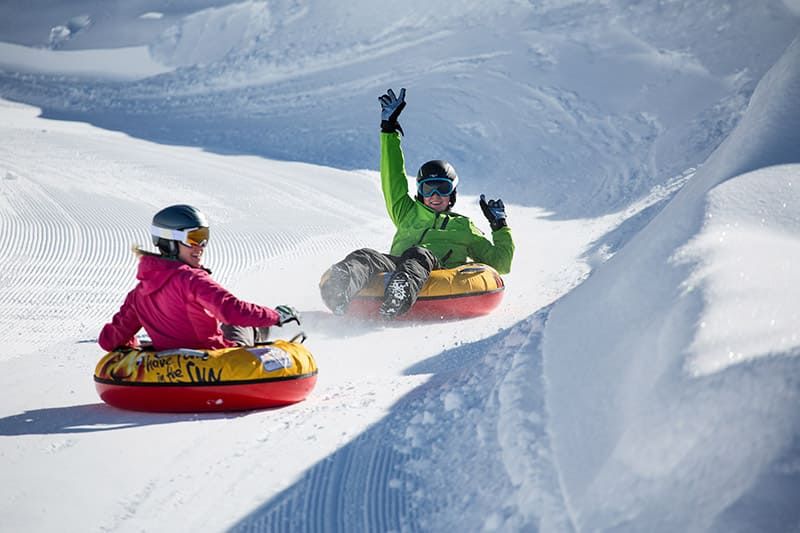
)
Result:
{"points": [[427, 187], [189, 236]]}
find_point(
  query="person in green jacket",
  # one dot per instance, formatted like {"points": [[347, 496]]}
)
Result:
{"points": [[429, 235]]}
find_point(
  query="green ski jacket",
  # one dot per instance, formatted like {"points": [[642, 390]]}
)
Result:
{"points": [[453, 238]]}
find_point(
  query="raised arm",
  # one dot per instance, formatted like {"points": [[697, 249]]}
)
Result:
{"points": [[394, 182]]}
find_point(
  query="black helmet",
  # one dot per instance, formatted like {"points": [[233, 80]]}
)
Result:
{"points": [[174, 217], [438, 169]]}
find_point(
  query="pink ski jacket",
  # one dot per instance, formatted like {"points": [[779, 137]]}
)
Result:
{"points": [[179, 307]]}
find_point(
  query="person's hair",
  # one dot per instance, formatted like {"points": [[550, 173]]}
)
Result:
{"points": [[138, 251]]}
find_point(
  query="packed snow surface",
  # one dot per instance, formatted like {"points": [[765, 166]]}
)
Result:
{"points": [[641, 374]]}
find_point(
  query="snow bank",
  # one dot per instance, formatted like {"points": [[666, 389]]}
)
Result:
{"points": [[672, 372], [746, 262], [119, 64], [209, 35]]}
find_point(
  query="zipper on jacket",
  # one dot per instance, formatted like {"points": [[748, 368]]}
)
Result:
{"points": [[433, 226], [446, 257]]}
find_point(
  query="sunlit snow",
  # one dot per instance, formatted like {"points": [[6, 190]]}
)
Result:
{"points": [[641, 373]]}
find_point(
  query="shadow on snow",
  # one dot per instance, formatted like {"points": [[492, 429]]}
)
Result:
{"points": [[91, 418], [405, 471]]}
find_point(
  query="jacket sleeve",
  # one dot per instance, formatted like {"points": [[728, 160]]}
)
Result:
{"points": [[393, 179], [226, 307], [498, 254], [122, 328]]}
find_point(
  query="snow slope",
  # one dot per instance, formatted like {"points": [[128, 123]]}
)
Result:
{"points": [[74, 198], [573, 106], [641, 373]]}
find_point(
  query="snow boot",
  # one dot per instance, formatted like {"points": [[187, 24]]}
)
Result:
{"points": [[334, 290], [397, 298]]}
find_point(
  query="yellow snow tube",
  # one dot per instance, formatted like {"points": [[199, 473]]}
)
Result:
{"points": [[465, 291]]}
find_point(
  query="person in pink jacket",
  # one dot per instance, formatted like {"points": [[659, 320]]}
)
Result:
{"points": [[177, 302]]}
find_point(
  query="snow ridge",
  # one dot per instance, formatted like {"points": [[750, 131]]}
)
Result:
{"points": [[659, 378]]}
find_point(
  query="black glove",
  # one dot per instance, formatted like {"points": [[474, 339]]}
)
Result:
{"points": [[495, 212], [287, 314], [391, 107]]}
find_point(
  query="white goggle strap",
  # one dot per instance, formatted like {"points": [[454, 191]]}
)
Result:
{"points": [[170, 234]]}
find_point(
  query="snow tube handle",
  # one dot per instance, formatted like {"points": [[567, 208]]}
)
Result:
{"points": [[302, 336]]}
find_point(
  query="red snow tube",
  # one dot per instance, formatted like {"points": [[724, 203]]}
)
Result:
{"points": [[185, 380], [465, 291]]}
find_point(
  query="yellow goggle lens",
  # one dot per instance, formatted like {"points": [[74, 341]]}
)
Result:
{"points": [[195, 237]]}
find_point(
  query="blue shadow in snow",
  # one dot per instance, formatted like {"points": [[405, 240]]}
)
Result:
{"points": [[373, 483], [90, 418]]}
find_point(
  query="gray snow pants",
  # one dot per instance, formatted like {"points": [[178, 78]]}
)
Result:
{"points": [[361, 265], [245, 335]]}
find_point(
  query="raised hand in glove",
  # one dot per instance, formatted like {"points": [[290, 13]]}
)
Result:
{"points": [[495, 212], [287, 314], [391, 107]]}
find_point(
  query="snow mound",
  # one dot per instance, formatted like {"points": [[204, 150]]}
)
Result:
{"points": [[119, 64], [686, 379], [209, 35], [745, 262], [63, 32]]}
